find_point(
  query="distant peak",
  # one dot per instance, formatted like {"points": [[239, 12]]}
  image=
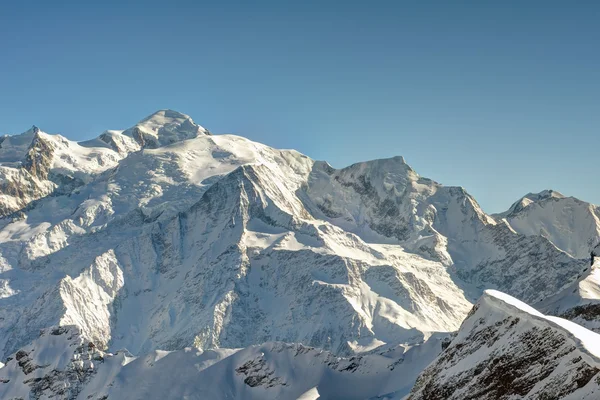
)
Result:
{"points": [[531, 198], [31, 132], [165, 116], [165, 127], [544, 194]]}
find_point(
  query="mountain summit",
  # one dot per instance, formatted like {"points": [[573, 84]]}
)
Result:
{"points": [[572, 225], [164, 127]]}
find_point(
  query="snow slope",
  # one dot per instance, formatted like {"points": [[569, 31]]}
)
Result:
{"points": [[231, 255]]}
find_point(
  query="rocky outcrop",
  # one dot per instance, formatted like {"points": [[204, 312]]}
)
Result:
{"points": [[38, 159]]}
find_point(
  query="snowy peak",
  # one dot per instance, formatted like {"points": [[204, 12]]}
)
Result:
{"points": [[164, 127], [506, 349], [36, 164], [530, 198], [572, 225], [164, 119]]}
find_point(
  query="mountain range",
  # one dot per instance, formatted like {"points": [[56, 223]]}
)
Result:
{"points": [[164, 261]]}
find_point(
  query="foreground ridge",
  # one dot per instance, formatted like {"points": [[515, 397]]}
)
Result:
{"points": [[506, 349]]}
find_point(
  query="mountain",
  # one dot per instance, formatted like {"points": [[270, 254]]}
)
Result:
{"points": [[223, 224], [508, 350], [163, 237], [570, 224]]}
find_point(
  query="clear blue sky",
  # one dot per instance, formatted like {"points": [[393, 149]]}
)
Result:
{"points": [[502, 98]]}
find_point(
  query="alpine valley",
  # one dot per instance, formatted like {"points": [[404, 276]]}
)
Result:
{"points": [[165, 262]]}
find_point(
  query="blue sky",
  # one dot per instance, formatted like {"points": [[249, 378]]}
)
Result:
{"points": [[502, 98]]}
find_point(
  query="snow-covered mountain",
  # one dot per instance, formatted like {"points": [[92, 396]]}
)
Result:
{"points": [[163, 236], [570, 224]]}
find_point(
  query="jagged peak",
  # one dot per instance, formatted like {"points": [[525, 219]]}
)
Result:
{"points": [[39, 155]]}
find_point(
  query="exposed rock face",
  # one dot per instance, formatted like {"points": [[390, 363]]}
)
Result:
{"points": [[38, 159], [507, 350], [19, 189]]}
